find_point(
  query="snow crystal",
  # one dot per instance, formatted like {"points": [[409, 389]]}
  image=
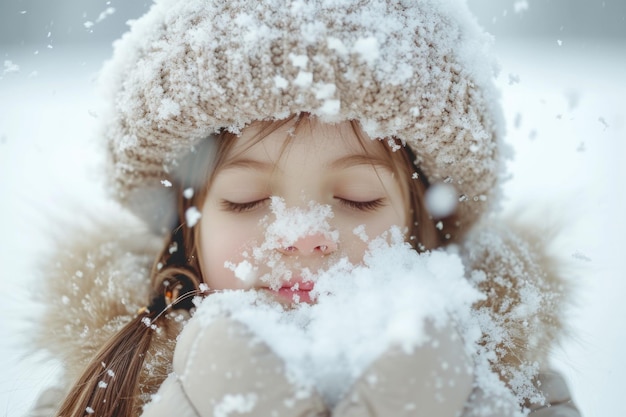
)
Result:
{"points": [[324, 90], [106, 13], [368, 49], [235, 404], [604, 123], [168, 108], [441, 200], [329, 108], [520, 6], [102, 384], [303, 79], [166, 183], [281, 82], [9, 67], [360, 232], [192, 215], [173, 248], [89, 410], [581, 256], [514, 79], [299, 61], [188, 193], [336, 45], [243, 270], [559, 42], [328, 344]]}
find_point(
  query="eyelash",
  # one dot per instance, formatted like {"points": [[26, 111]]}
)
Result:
{"points": [[251, 205], [242, 207], [362, 205]]}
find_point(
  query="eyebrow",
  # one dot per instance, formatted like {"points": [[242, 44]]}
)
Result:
{"points": [[360, 159], [248, 164], [347, 161]]}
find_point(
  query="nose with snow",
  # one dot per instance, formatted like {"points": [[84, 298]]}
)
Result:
{"points": [[312, 244], [301, 231]]}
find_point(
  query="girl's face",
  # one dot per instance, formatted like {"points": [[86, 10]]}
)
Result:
{"points": [[314, 168]]}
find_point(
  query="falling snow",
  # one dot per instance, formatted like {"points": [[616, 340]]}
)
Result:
{"points": [[441, 200], [532, 171], [192, 215], [520, 6], [9, 67]]}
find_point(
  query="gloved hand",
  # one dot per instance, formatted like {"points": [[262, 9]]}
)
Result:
{"points": [[222, 370], [434, 379], [558, 401]]}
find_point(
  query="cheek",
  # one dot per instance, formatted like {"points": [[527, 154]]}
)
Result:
{"points": [[221, 242], [391, 217], [355, 244]]}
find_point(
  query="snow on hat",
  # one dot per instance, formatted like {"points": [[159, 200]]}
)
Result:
{"points": [[416, 70]]}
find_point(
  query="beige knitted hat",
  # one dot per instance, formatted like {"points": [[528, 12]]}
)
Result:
{"points": [[416, 70]]}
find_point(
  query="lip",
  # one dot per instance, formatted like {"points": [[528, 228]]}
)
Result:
{"points": [[299, 284], [295, 291]]}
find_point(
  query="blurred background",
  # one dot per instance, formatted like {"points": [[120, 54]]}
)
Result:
{"points": [[33, 22], [563, 83]]}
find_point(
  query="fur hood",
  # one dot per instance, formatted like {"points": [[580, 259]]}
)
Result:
{"points": [[97, 281]]}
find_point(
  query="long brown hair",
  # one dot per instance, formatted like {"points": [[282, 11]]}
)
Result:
{"points": [[176, 276]]}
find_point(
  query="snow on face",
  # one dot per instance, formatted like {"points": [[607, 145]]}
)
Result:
{"points": [[293, 223], [283, 208]]}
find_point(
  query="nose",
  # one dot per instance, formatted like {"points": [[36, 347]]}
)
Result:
{"points": [[311, 245]]}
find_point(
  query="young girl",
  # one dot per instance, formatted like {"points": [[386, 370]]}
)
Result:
{"points": [[344, 120]]}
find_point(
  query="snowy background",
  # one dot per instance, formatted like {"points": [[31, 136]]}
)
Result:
{"points": [[563, 82]]}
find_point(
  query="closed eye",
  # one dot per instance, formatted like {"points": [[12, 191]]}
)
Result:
{"points": [[242, 207], [362, 205]]}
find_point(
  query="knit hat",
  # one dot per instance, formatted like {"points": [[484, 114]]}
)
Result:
{"points": [[416, 70]]}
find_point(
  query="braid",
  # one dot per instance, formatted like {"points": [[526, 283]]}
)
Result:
{"points": [[109, 385]]}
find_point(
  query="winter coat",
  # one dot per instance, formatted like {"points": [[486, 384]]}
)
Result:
{"points": [[98, 279]]}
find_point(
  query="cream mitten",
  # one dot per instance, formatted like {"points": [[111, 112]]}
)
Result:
{"points": [[434, 379], [222, 369], [558, 401]]}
